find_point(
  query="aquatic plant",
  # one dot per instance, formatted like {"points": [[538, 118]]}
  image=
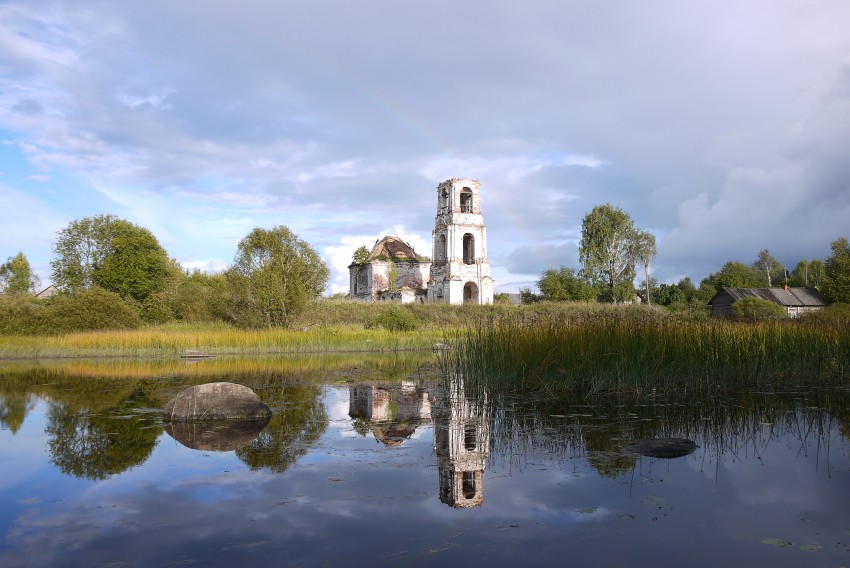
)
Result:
{"points": [[615, 354]]}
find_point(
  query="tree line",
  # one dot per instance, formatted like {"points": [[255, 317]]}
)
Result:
{"points": [[110, 272], [611, 249]]}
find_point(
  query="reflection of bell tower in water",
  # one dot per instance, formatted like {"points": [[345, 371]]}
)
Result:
{"points": [[461, 442], [460, 271]]}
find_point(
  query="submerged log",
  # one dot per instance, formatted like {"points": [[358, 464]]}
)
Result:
{"points": [[215, 401], [664, 448]]}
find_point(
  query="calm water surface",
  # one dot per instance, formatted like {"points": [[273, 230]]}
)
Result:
{"points": [[379, 462]]}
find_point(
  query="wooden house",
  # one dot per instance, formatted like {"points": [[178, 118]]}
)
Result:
{"points": [[796, 301]]}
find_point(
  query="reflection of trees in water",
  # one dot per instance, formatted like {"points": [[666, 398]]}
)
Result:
{"points": [[96, 446], [101, 426], [298, 421], [546, 427], [14, 409]]}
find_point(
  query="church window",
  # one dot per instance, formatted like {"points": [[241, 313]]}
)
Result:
{"points": [[440, 252], [468, 484], [469, 437], [468, 249], [466, 200]]}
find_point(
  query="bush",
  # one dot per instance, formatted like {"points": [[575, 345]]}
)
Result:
{"points": [[393, 318], [836, 313], [157, 308], [756, 309], [20, 314], [91, 309]]}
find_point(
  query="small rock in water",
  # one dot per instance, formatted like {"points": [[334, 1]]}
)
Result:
{"points": [[665, 448], [216, 401]]}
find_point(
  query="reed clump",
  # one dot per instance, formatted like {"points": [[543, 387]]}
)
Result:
{"points": [[638, 354]]}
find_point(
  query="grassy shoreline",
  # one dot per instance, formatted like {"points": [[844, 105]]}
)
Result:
{"points": [[326, 326], [174, 340]]}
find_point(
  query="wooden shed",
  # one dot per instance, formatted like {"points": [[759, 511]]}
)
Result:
{"points": [[796, 301]]}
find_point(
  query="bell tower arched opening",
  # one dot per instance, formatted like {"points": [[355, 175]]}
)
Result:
{"points": [[468, 249], [470, 293], [466, 200]]}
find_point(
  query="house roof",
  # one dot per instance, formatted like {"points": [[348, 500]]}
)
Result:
{"points": [[806, 297], [392, 247]]}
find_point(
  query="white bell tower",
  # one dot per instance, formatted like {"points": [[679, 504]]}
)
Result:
{"points": [[460, 272]]}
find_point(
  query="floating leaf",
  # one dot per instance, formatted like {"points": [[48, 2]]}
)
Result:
{"points": [[586, 510], [811, 547], [781, 543]]}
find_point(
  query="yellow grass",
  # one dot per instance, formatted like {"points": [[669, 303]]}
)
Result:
{"points": [[214, 339]]}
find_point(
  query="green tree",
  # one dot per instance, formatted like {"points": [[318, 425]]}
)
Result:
{"points": [[836, 284], [768, 268], [273, 277], [608, 251], [735, 274], [16, 275], [688, 289], [361, 256], [807, 273], [669, 294], [565, 285], [111, 253]]}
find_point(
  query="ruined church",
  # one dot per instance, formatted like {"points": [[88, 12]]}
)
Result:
{"points": [[458, 271]]}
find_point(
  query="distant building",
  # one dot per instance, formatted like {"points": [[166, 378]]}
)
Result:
{"points": [[390, 257], [459, 272], [796, 301], [47, 292]]}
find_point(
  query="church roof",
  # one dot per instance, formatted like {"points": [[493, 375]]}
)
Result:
{"points": [[392, 247], [805, 297]]}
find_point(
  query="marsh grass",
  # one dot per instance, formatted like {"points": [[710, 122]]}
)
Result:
{"points": [[639, 354], [214, 339]]}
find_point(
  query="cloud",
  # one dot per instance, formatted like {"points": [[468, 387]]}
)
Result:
{"points": [[693, 118]]}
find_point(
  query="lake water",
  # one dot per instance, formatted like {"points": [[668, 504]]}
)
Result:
{"points": [[380, 461]]}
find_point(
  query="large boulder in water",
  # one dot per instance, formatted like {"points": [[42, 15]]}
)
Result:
{"points": [[216, 401]]}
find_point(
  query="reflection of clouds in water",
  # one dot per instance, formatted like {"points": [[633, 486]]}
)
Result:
{"points": [[796, 486], [29, 456], [336, 404]]}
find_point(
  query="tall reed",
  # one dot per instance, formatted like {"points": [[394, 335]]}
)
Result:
{"points": [[615, 354]]}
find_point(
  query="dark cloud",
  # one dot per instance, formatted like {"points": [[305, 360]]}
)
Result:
{"points": [[693, 118]]}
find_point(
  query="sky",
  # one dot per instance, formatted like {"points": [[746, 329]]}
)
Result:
{"points": [[721, 127]]}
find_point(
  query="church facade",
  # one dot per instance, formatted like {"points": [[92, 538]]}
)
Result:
{"points": [[458, 271]]}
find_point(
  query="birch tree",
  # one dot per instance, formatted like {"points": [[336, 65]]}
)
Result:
{"points": [[273, 276], [607, 250], [644, 250]]}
